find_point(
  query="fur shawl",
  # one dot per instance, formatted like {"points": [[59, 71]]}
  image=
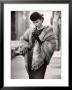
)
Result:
{"points": [[40, 52]]}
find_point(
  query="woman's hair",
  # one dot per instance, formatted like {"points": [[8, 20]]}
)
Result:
{"points": [[35, 16]]}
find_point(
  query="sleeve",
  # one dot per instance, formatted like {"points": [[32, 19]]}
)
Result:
{"points": [[24, 41], [49, 45]]}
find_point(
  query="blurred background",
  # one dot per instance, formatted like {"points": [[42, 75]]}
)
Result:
{"points": [[20, 22]]}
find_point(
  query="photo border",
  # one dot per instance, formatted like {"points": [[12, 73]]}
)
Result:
{"points": [[2, 30]]}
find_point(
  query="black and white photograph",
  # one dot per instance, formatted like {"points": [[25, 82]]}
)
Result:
{"points": [[36, 44]]}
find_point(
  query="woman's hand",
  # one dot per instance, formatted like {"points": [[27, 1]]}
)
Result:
{"points": [[22, 51], [35, 35]]}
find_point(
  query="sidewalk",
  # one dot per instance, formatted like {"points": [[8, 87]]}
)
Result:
{"points": [[54, 68]]}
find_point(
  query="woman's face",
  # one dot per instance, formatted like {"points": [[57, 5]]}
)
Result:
{"points": [[38, 22]]}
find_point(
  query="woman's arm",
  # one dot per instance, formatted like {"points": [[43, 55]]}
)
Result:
{"points": [[49, 45]]}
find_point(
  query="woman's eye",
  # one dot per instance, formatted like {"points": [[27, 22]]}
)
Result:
{"points": [[36, 22]]}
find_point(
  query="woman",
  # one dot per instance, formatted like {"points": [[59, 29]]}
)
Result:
{"points": [[37, 45]]}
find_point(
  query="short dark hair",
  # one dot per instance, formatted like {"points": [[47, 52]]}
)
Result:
{"points": [[35, 16]]}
